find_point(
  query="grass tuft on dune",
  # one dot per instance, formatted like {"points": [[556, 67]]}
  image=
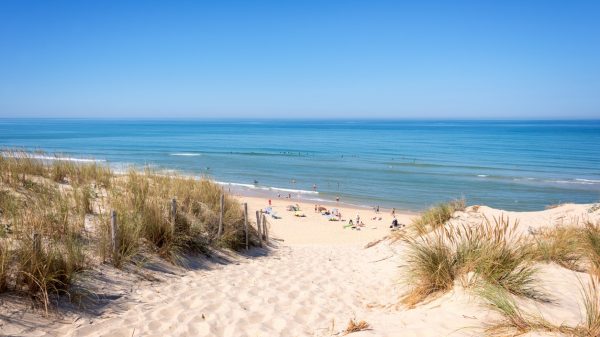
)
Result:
{"points": [[437, 216], [492, 252], [55, 220]]}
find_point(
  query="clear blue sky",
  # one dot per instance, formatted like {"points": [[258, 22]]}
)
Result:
{"points": [[255, 59]]}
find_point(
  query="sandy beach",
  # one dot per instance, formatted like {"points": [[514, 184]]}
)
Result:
{"points": [[315, 277]]}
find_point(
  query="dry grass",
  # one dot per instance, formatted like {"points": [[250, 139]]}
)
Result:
{"points": [[591, 245], [5, 263], [492, 251], [561, 245], [591, 302], [431, 268], [437, 216], [356, 326], [50, 199], [515, 322], [571, 247]]}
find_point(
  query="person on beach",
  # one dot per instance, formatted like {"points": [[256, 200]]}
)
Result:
{"points": [[377, 209], [315, 187], [394, 212], [337, 199], [269, 202], [357, 219], [316, 208]]}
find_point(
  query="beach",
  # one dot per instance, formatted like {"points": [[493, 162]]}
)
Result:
{"points": [[313, 277]]}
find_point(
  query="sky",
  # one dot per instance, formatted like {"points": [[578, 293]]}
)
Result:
{"points": [[300, 59]]}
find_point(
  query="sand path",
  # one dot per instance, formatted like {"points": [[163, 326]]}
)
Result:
{"points": [[300, 290]]}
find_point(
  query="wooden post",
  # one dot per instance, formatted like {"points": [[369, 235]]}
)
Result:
{"points": [[173, 214], [113, 233], [265, 228], [258, 228], [246, 222], [221, 215], [37, 243]]}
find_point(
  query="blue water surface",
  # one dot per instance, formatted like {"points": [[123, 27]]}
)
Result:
{"points": [[514, 165]]}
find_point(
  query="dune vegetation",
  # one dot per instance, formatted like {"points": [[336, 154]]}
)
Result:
{"points": [[55, 218], [500, 264]]}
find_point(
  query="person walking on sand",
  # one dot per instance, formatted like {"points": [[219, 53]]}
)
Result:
{"points": [[357, 219], [316, 208], [337, 199], [394, 212], [269, 202], [377, 209]]}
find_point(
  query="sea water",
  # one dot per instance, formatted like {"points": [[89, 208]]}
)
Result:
{"points": [[407, 164]]}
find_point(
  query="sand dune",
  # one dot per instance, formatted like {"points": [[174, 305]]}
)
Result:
{"points": [[313, 280]]}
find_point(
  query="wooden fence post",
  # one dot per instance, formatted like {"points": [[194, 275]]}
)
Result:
{"points": [[114, 233], [37, 243], [221, 215], [246, 222], [258, 228], [265, 228]]}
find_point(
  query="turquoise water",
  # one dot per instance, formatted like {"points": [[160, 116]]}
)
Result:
{"points": [[515, 165]]}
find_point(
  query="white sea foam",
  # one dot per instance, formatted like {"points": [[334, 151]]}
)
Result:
{"points": [[268, 188], [482, 175], [588, 181], [185, 154], [46, 157]]}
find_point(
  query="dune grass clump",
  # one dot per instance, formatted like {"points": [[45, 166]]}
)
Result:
{"points": [[48, 268], [356, 326], [591, 244], [572, 247], [561, 245], [437, 216], [55, 216], [144, 201], [591, 304], [513, 321], [491, 251], [5, 264], [431, 268]]}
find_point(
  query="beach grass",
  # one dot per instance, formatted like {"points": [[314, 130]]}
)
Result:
{"points": [[436, 216], [55, 220], [591, 240], [561, 245], [513, 321], [356, 326], [492, 252]]}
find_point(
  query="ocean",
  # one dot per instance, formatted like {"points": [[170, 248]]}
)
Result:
{"points": [[406, 164]]}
